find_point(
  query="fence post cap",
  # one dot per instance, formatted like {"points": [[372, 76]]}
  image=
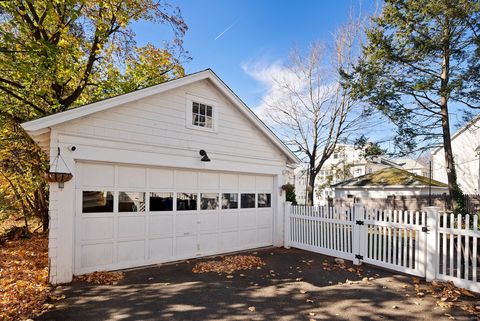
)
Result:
{"points": [[288, 203]]}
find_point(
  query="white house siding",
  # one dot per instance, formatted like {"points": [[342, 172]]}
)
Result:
{"points": [[152, 132], [464, 144]]}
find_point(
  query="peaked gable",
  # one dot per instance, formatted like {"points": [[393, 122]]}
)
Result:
{"points": [[39, 127]]}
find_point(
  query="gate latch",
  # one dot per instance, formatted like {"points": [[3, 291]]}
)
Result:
{"points": [[359, 222], [425, 229], [358, 256]]}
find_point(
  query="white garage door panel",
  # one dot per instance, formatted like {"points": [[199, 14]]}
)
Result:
{"points": [[247, 237], [228, 220], [246, 219], [264, 235], [97, 228], [264, 217], [208, 243], [229, 240], [186, 245], [93, 255], [114, 240], [208, 221], [131, 177], [160, 225], [246, 183], [186, 223], [263, 183], [161, 248], [131, 251], [228, 182], [95, 175], [130, 226], [161, 178], [208, 181], [186, 180]]}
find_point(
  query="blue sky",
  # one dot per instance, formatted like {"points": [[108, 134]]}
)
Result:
{"points": [[259, 32]]}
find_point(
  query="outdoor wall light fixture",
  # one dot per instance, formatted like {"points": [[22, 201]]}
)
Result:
{"points": [[204, 155]]}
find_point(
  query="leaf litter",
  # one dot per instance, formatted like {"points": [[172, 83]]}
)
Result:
{"points": [[229, 264]]}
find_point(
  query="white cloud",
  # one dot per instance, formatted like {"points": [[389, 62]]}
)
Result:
{"points": [[271, 75]]}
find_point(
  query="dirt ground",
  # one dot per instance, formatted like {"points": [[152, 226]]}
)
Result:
{"points": [[293, 285]]}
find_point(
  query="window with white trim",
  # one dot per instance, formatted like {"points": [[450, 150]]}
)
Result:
{"points": [[202, 115]]}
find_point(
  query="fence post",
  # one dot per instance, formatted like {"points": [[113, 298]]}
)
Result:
{"points": [[286, 226], [357, 235], [431, 243]]}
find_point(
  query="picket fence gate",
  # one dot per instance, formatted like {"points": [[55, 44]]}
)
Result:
{"points": [[429, 244]]}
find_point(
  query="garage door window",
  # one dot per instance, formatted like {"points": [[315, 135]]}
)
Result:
{"points": [[161, 202], [97, 202], [131, 202], [264, 200], [248, 200], [229, 201], [209, 201], [186, 202]]}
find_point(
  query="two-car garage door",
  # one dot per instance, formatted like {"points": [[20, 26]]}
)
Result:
{"points": [[129, 216]]}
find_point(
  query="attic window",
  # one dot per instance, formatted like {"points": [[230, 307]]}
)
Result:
{"points": [[202, 115]]}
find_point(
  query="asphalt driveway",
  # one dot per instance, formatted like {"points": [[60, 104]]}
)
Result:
{"points": [[294, 285]]}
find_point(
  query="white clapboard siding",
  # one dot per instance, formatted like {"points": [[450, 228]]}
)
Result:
{"points": [[160, 120], [458, 250]]}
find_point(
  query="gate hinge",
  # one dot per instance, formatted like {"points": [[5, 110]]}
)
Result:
{"points": [[358, 256], [359, 222], [425, 229]]}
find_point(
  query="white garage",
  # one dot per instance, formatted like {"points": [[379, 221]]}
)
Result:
{"points": [[131, 216], [179, 170]]}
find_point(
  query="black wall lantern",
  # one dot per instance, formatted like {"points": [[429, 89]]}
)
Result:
{"points": [[204, 155]]}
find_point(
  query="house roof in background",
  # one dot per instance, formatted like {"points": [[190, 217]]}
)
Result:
{"points": [[42, 125], [389, 177]]}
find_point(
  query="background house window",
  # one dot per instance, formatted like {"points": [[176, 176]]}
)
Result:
{"points": [[247, 200], [162, 201], [97, 202], [131, 202], [202, 115]]}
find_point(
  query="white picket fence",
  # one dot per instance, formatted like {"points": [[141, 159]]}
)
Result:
{"points": [[427, 244]]}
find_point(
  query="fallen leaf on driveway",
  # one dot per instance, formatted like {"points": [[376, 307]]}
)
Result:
{"points": [[102, 277], [251, 309], [229, 264]]}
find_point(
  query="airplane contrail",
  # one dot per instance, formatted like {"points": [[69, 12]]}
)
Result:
{"points": [[228, 28]]}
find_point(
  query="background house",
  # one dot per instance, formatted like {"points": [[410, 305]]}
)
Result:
{"points": [[392, 188], [346, 162], [465, 145]]}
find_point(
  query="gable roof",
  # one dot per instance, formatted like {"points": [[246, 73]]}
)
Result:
{"points": [[389, 177], [38, 127]]}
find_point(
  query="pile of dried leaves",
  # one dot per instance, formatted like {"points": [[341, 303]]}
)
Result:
{"points": [[24, 286], [101, 278], [449, 296], [229, 264]]}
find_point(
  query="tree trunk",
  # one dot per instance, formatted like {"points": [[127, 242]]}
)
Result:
{"points": [[444, 96], [311, 186]]}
